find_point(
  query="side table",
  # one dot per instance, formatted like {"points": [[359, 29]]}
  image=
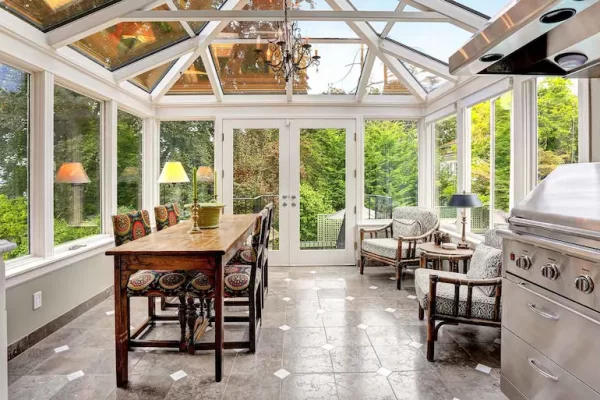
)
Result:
{"points": [[436, 254]]}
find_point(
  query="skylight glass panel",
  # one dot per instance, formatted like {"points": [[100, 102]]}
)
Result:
{"points": [[249, 30], [326, 30], [384, 82], [375, 5], [426, 79], [193, 81], [339, 72], [126, 42], [49, 14], [149, 79], [198, 5], [436, 39], [292, 4], [240, 73], [487, 7]]}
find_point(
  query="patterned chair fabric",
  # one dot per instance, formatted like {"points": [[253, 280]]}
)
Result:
{"points": [[492, 239], [406, 228], [247, 254], [486, 263], [386, 247], [428, 219], [482, 305], [131, 226], [166, 215]]}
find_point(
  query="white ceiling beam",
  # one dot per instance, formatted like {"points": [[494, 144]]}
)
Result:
{"points": [[405, 76], [154, 60], [365, 76], [388, 28], [212, 74], [414, 57], [185, 25], [93, 22], [210, 32], [293, 15], [366, 33], [458, 15]]}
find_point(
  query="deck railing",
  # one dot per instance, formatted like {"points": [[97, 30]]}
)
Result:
{"points": [[378, 207]]}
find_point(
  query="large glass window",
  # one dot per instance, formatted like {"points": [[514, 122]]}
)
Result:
{"points": [[391, 167], [480, 165], [446, 168], [14, 165], [129, 162], [558, 109], [76, 165], [192, 144]]}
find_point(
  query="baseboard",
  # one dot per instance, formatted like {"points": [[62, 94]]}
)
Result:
{"points": [[40, 334]]}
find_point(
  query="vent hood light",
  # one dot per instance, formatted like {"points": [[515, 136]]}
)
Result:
{"points": [[492, 57], [570, 61], [556, 16]]}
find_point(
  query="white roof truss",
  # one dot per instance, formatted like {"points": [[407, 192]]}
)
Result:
{"points": [[458, 16]]}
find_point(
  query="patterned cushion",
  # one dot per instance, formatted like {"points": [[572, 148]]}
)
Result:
{"points": [[166, 215], [482, 306], [131, 226], [237, 282], [243, 256], [406, 228], [426, 217], [486, 263], [156, 283], [386, 247], [492, 239]]}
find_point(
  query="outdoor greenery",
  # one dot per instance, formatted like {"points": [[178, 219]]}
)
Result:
{"points": [[391, 167]]}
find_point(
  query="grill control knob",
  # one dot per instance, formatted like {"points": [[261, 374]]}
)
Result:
{"points": [[584, 283], [550, 271], [524, 262]]}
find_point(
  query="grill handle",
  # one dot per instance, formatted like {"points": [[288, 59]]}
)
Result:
{"points": [[543, 373], [546, 315], [568, 230]]}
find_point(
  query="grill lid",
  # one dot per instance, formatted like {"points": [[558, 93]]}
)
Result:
{"points": [[564, 206]]}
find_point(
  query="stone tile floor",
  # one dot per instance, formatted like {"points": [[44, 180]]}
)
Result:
{"points": [[350, 337]]}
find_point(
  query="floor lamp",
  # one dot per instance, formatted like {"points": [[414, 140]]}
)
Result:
{"points": [[173, 172]]}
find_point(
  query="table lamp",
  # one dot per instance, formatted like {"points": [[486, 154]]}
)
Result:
{"points": [[173, 172], [74, 174], [464, 201]]}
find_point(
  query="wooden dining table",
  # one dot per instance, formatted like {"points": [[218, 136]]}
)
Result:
{"points": [[176, 249]]}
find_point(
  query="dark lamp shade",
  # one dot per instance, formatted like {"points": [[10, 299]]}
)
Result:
{"points": [[464, 201]]}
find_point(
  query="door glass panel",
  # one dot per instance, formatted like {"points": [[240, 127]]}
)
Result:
{"points": [[256, 174], [322, 189]]}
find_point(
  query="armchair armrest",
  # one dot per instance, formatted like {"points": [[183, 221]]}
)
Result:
{"points": [[373, 232], [470, 283]]}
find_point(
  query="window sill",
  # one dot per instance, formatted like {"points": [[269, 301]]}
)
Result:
{"points": [[27, 268]]}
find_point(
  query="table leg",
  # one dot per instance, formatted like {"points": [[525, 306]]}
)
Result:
{"points": [[219, 321], [423, 261], [121, 323]]}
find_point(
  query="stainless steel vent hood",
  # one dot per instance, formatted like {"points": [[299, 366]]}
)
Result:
{"points": [[536, 37]]}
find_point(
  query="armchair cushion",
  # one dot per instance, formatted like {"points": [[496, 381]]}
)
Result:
{"points": [[406, 228], [386, 247], [426, 217], [486, 263], [482, 306]]}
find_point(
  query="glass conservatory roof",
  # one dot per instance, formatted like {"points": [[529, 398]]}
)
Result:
{"points": [[343, 43]]}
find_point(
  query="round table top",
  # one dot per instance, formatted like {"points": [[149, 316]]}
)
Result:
{"points": [[432, 248]]}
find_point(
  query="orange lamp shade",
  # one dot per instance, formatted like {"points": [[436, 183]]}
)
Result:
{"points": [[73, 173], [205, 174]]}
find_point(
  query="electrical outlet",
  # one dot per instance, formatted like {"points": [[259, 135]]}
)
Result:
{"points": [[37, 300]]}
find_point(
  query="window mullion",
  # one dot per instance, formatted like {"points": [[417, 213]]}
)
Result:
{"points": [[492, 204], [42, 165], [108, 165], [463, 127]]}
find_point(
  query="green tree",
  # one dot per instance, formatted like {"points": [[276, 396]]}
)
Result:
{"points": [[129, 161]]}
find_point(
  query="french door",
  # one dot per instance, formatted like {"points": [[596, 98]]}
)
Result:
{"points": [[306, 168]]}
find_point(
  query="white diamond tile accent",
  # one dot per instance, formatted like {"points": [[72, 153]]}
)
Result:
{"points": [[110, 312], [412, 297], [320, 311], [483, 368], [287, 280], [285, 328], [238, 350], [392, 278], [282, 374], [328, 347], [316, 288], [390, 310], [350, 298], [286, 299], [209, 328], [75, 375], [61, 349], [341, 279], [384, 371], [362, 326], [313, 272], [373, 287], [497, 341], [416, 345], [178, 375]]}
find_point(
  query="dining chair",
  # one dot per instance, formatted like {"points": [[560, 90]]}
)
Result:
{"points": [[241, 281], [167, 215], [150, 283]]}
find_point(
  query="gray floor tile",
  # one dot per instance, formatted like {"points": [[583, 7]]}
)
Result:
{"points": [[67, 362], [388, 336], [26, 362], [419, 385], [309, 387], [254, 385], [197, 388], [354, 359], [143, 387], [349, 336], [304, 337], [304, 319], [370, 386], [88, 387], [36, 387], [307, 360], [402, 358]]}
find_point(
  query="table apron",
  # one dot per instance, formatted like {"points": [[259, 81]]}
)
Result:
{"points": [[169, 263]]}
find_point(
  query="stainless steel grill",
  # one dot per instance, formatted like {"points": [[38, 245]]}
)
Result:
{"points": [[551, 310]]}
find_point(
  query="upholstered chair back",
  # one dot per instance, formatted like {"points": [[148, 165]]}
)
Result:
{"points": [[131, 226], [411, 220], [166, 215], [492, 239], [269, 207]]}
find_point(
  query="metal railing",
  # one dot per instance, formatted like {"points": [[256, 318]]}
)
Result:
{"points": [[378, 206], [253, 205]]}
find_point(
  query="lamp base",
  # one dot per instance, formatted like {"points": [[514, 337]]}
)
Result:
{"points": [[463, 245]]}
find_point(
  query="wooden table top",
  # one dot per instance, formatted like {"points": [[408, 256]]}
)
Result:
{"points": [[432, 248], [177, 241]]}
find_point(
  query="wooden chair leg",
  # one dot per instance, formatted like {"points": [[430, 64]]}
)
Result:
{"points": [[430, 339], [191, 321], [266, 276], [151, 308], [421, 313], [398, 277], [208, 311], [252, 321], [163, 303], [361, 264], [182, 320]]}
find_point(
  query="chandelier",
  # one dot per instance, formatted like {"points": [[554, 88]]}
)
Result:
{"points": [[288, 53]]}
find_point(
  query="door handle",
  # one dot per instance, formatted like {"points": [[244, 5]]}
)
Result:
{"points": [[293, 204], [284, 204], [284, 197], [293, 197]]}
